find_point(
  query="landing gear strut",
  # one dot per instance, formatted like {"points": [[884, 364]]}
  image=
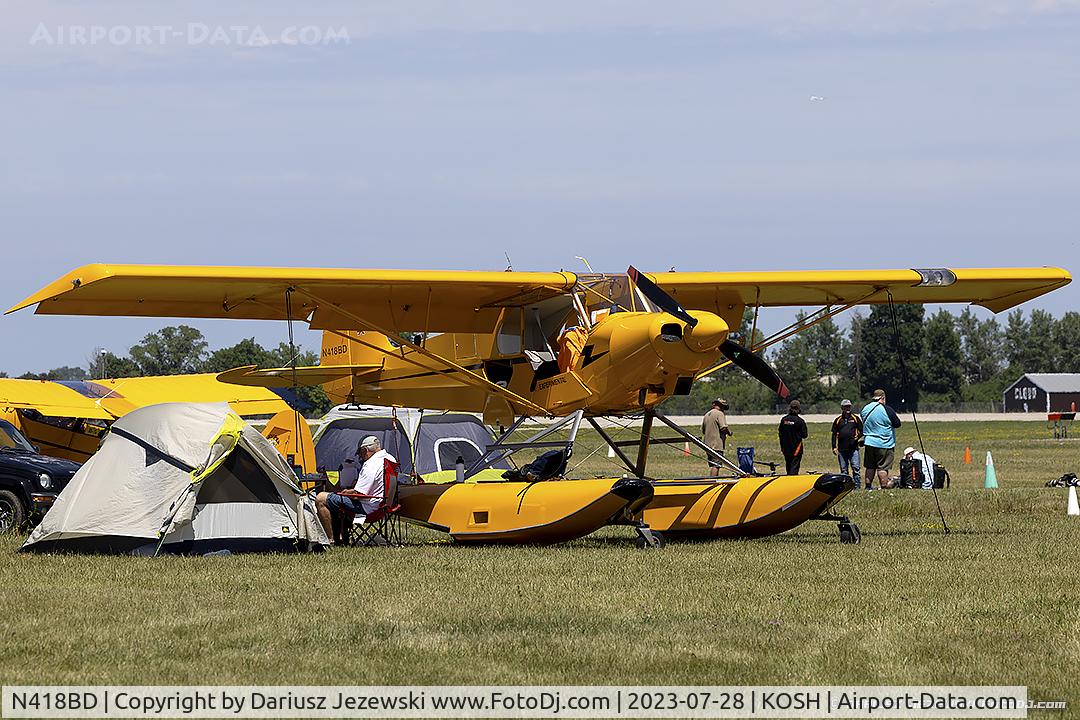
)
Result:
{"points": [[648, 538]]}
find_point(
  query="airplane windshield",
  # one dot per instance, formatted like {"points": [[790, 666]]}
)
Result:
{"points": [[11, 438], [613, 293]]}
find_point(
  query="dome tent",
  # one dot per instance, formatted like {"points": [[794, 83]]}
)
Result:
{"points": [[425, 441], [180, 478]]}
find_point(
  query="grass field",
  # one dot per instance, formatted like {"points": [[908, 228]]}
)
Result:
{"points": [[994, 602]]}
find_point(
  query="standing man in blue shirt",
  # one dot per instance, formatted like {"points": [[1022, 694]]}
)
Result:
{"points": [[879, 428]]}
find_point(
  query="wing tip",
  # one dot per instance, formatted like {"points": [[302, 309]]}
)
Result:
{"points": [[66, 283]]}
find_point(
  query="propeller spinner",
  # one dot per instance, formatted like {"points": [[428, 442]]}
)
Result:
{"points": [[741, 356]]}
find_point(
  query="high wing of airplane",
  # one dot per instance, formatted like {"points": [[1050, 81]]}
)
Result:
{"points": [[67, 418], [49, 398], [514, 343]]}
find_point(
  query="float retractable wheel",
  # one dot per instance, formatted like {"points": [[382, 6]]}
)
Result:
{"points": [[849, 533], [648, 538]]}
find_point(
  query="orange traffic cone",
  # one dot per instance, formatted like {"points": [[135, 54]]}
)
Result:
{"points": [[686, 448], [967, 456]]}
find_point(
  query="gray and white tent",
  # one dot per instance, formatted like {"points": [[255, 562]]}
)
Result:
{"points": [[427, 442], [181, 478]]}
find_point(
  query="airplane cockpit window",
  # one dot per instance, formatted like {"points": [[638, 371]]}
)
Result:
{"points": [[57, 421], [613, 293], [508, 337]]}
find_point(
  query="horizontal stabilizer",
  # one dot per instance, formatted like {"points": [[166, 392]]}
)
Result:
{"points": [[306, 376]]}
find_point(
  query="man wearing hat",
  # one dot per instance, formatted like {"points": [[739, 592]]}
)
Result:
{"points": [[792, 432], [927, 466], [846, 433], [371, 483], [715, 431], [879, 427]]}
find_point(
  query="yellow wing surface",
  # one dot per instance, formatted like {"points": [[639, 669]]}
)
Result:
{"points": [[414, 300], [996, 289], [49, 398], [468, 301], [111, 399], [130, 393]]}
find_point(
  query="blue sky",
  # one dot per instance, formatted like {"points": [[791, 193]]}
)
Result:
{"points": [[443, 134]]}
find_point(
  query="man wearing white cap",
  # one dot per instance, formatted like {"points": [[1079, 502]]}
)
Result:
{"points": [[927, 465], [371, 482], [847, 433]]}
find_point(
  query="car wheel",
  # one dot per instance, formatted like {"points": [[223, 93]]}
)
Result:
{"points": [[12, 513]]}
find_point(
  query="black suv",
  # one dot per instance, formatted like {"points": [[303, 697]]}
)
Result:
{"points": [[29, 483]]}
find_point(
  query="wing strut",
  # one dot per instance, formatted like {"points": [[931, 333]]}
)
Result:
{"points": [[792, 329], [467, 377]]}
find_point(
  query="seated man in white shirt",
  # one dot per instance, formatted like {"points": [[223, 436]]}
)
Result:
{"points": [[371, 482], [348, 474], [926, 464]]}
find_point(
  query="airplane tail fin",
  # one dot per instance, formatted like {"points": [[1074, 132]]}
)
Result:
{"points": [[343, 347]]}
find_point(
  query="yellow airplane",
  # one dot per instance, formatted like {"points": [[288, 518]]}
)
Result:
{"points": [[67, 418], [517, 344]]}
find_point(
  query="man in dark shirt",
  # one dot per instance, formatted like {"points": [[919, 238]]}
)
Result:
{"points": [[846, 433], [792, 432]]}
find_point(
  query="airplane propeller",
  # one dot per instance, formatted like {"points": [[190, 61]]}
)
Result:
{"points": [[657, 296], [755, 367], [752, 364]]}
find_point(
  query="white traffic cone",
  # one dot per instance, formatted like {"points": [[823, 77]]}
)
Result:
{"points": [[610, 451], [990, 483], [1074, 507]]}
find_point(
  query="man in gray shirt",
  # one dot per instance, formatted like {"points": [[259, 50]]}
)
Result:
{"points": [[715, 432]]}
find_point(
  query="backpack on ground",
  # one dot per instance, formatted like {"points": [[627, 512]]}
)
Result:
{"points": [[941, 477], [911, 475]]}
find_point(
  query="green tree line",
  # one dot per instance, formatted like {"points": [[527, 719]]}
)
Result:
{"points": [[943, 358], [181, 350]]}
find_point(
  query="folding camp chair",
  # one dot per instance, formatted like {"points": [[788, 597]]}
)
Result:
{"points": [[381, 526]]}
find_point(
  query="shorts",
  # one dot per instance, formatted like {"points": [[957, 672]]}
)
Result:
{"points": [[343, 503], [716, 462], [877, 458]]}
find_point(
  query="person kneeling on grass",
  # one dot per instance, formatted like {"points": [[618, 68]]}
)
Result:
{"points": [[370, 484]]}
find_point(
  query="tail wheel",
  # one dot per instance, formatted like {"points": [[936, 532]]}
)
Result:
{"points": [[12, 513]]}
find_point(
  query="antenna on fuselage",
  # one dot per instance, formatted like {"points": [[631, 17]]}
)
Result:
{"points": [[578, 257], [509, 265]]}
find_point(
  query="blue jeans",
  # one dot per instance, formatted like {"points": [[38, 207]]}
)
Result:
{"points": [[850, 460]]}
